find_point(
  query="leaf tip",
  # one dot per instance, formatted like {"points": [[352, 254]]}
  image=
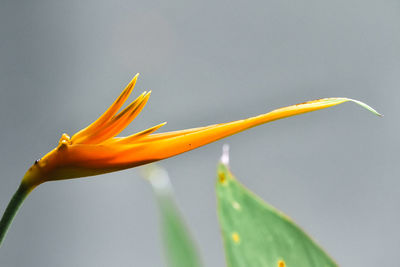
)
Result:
{"points": [[158, 178], [225, 155]]}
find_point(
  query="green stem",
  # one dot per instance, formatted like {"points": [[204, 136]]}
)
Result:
{"points": [[12, 208]]}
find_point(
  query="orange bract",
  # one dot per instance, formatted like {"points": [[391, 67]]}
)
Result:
{"points": [[96, 149]]}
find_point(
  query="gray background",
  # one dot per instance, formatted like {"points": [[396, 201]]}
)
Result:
{"points": [[333, 171]]}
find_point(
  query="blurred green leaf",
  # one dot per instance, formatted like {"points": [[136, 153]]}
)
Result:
{"points": [[256, 234], [180, 249]]}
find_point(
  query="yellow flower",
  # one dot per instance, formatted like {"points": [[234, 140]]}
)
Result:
{"points": [[96, 149]]}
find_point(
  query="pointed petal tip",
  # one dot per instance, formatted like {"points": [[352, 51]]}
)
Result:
{"points": [[133, 81], [367, 107], [332, 101], [362, 104], [146, 95]]}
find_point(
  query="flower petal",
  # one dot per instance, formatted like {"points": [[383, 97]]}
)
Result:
{"points": [[158, 136], [135, 137], [82, 135], [78, 160], [119, 122], [171, 144]]}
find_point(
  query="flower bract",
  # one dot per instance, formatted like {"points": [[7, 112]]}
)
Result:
{"points": [[96, 149]]}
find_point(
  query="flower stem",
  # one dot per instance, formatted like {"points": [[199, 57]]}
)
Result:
{"points": [[12, 208]]}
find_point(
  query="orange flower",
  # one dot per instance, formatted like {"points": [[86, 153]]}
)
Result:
{"points": [[96, 149]]}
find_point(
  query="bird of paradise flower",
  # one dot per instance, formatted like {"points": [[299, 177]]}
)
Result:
{"points": [[96, 149]]}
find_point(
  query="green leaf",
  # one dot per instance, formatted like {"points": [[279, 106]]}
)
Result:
{"points": [[256, 234], [180, 249]]}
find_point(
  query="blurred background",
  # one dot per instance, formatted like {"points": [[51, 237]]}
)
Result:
{"points": [[334, 171]]}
